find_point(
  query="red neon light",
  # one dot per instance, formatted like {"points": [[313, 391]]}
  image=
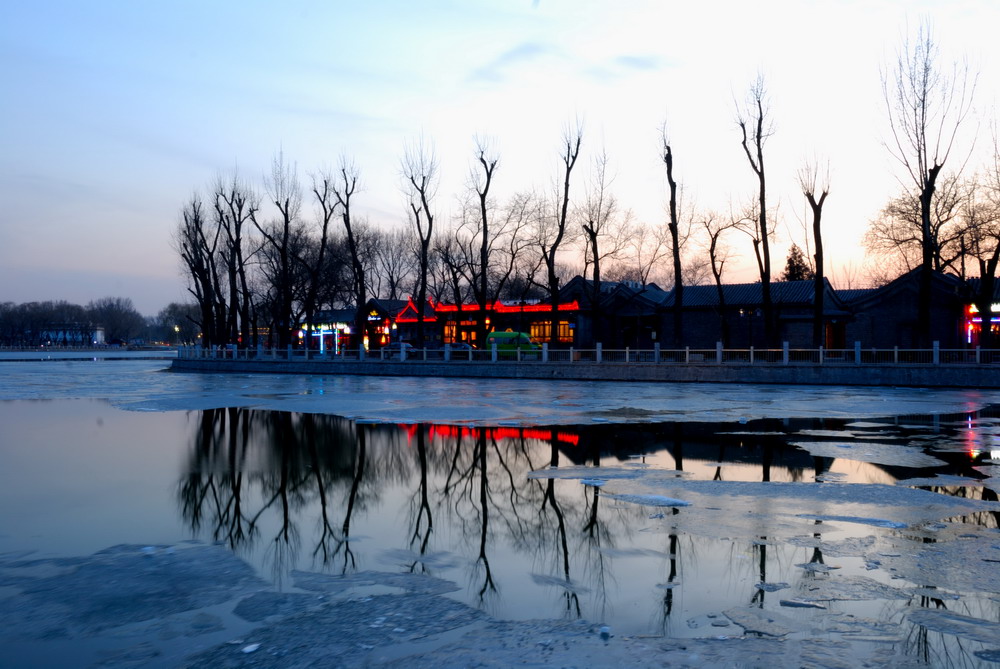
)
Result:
{"points": [[501, 308], [411, 306], [495, 307]]}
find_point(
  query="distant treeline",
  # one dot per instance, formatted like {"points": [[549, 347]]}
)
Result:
{"points": [[109, 320]]}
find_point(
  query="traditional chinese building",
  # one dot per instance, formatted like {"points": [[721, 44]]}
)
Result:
{"points": [[453, 323]]}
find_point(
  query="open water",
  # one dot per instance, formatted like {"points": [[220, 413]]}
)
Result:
{"points": [[652, 510]]}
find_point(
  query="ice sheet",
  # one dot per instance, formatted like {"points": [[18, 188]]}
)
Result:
{"points": [[142, 385]]}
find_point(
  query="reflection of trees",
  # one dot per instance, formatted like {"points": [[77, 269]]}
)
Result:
{"points": [[422, 520], [252, 469], [549, 501], [267, 482]]}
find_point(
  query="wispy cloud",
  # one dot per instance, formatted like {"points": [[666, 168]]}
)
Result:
{"points": [[638, 62], [496, 70]]}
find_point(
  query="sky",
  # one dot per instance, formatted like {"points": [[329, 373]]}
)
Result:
{"points": [[112, 113]]}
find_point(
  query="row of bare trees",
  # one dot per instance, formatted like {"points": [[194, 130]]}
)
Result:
{"points": [[257, 258]]}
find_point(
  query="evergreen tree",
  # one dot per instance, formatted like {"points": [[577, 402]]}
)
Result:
{"points": [[796, 269]]}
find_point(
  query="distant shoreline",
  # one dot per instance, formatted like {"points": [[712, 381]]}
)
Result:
{"points": [[105, 353]]}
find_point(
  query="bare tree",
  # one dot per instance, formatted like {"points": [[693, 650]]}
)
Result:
{"points": [[550, 243], [345, 185], [811, 182], [718, 254], [314, 257], [896, 236], [481, 181], [604, 226], [646, 246], [197, 244], [756, 127], [673, 225], [396, 264], [420, 170], [235, 205], [284, 191], [926, 106], [119, 317]]}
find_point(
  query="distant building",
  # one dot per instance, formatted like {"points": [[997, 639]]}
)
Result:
{"points": [[72, 334]]}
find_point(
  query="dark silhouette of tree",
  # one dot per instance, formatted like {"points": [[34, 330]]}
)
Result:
{"points": [[178, 323], [673, 224], [235, 204], [810, 183], [895, 237], [926, 106], [605, 229], [344, 187], [796, 267], [119, 317], [756, 127], [718, 254], [396, 264], [282, 236], [552, 238], [481, 182], [197, 244], [420, 169]]}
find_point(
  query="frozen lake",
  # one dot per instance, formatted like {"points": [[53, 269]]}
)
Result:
{"points": [[683, 510]]}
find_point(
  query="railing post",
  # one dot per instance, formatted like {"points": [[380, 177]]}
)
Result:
{"points": [[361, 353], [821, 355], [751, 355], [718, 352], [545, 351], [857, 353], [628, 356], [937, 352], [447, 352], [571, 354], [656, 352], [784, 352], [687, 355], [306, 351], [289, 354], [597, 354], [260, 349], [895, 355], [493, 346], [402, 353], [977, 355]]}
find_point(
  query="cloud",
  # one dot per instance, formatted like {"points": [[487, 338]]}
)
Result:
{"points": [[638, 62], [495, 71]]}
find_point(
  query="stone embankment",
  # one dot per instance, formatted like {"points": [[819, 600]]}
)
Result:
{"points": [[903, 375]]}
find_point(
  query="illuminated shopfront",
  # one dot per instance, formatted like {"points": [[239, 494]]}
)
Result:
{"points": [[974, 323], [454, 323]]}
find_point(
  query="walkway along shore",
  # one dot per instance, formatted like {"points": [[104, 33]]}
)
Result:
{"points": [[840, 374]]}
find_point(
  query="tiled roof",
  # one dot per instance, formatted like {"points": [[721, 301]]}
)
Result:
{"points": [[743, 294]]}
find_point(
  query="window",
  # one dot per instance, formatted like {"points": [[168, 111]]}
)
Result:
{"points": [[565, 333], [541, 331]]}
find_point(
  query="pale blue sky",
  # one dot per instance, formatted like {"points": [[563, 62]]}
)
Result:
{"points": [[113, 112]]}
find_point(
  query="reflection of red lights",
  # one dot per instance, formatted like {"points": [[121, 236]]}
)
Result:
{"points": [[971, 441], [460, 432]]}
